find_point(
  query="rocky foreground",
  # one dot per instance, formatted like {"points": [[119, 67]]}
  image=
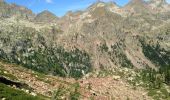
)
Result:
{"points": [[108, 88]]}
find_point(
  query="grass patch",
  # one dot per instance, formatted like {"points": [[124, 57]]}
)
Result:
{"points": [[14, 94], [67, 93], [6, 74]]}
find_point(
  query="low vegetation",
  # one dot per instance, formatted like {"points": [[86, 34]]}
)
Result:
{"points": [[117, 54], [6, 74], [9, 93], [156, 81], [43, 57], [70, 93]]}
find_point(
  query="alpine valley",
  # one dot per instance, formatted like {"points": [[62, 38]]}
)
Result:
{"points": [[105, 52]]}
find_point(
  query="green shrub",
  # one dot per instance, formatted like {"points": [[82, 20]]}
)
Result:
{"points": [[59, 94]]}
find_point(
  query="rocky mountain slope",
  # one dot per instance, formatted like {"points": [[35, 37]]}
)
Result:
{"points": [[42, 86], [13, 10], [100, 39]]}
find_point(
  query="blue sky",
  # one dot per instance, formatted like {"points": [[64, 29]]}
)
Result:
{"points": [[60, 7]]}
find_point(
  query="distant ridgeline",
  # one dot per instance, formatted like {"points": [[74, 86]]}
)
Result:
{"points": [[28, 47]]}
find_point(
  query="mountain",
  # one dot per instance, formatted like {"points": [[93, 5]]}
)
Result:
{"points": [[159, 5], [109, 6], [13, 10], [136, 7], [46, 16], [85, 54]]}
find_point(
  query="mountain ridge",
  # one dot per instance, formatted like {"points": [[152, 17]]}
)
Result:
{"points": [[119, 45]]}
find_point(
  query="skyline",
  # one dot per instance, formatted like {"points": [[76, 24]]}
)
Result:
{"points": [[61, 7]]}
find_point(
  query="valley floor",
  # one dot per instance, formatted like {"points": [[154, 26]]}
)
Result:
{"points": [[89, 88]]}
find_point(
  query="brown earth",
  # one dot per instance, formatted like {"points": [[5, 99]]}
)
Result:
{"points": [[97, 88]]}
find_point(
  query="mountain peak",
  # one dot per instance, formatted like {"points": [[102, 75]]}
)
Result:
{"points": [[46, 16], [96, 5], [158, 2], [136, 2], [46, 12], [112, 3], [100, 4], [136, 6]]}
